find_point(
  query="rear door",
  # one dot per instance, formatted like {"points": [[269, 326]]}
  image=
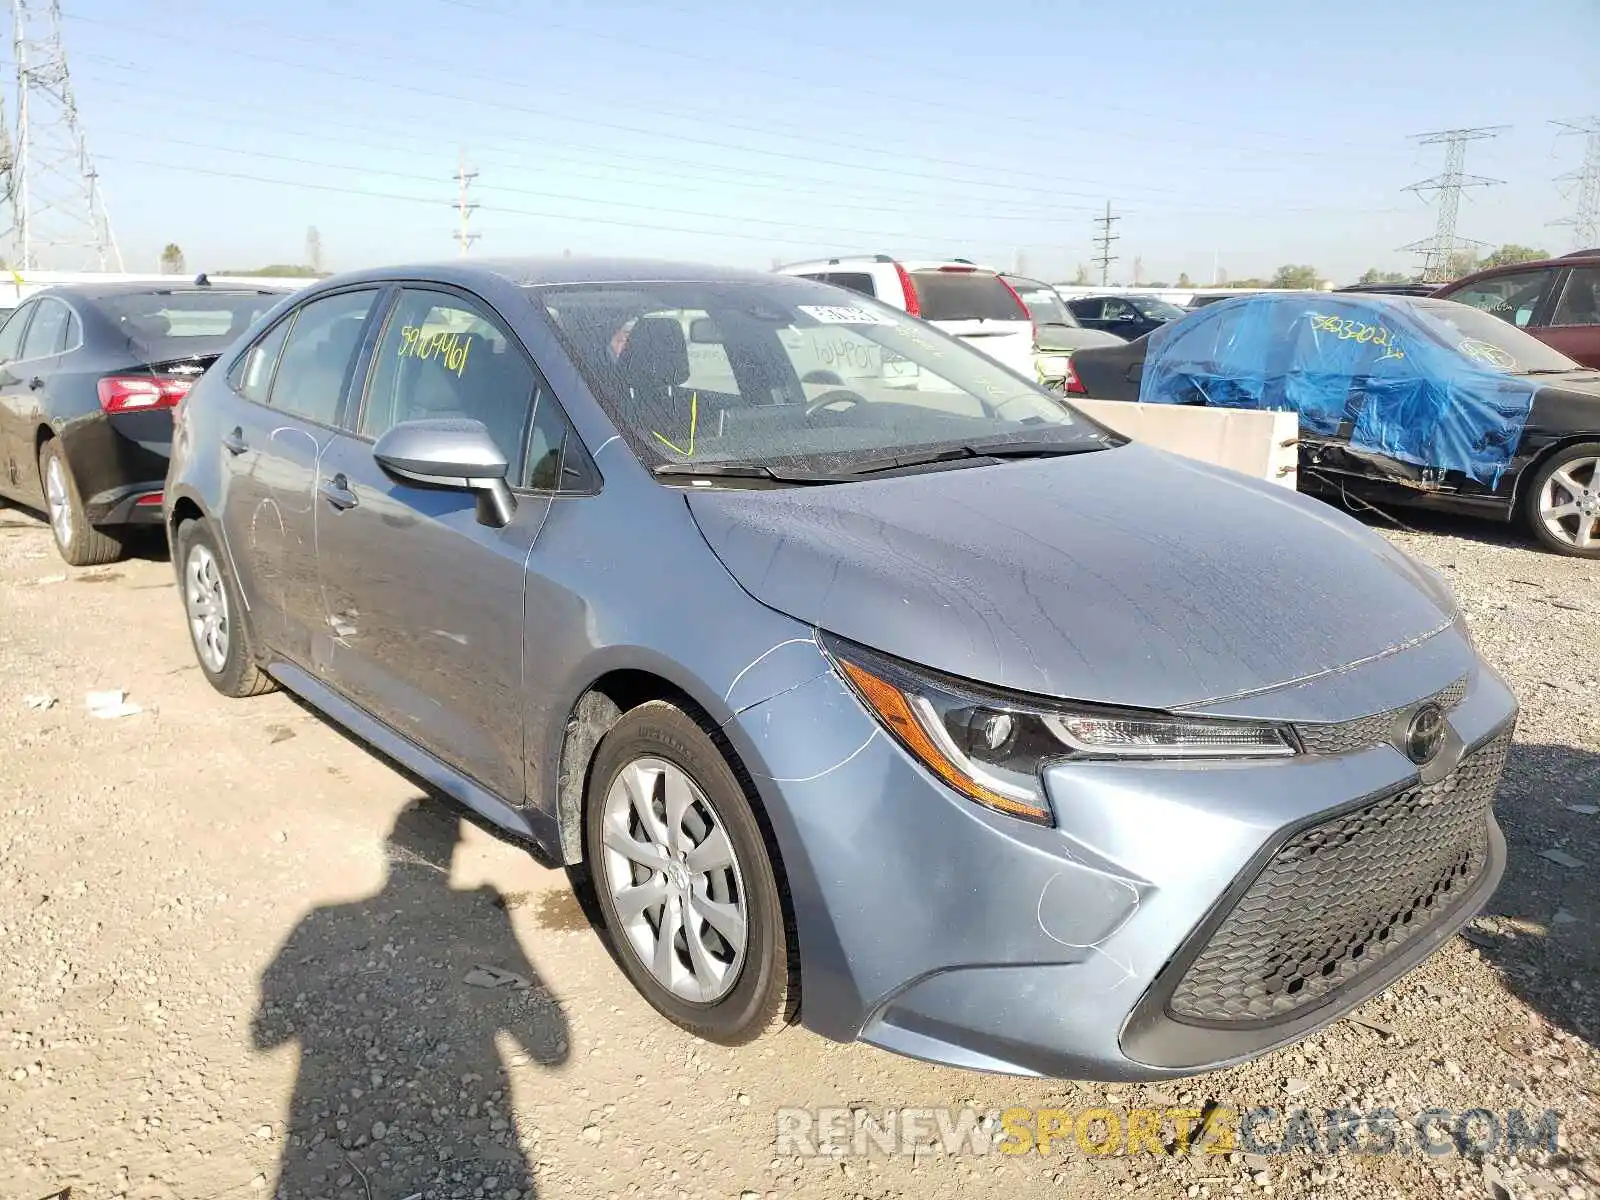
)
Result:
{"points": [[288, 399], [1574, 327], [977, 307], [18, 477], [424, 601]]}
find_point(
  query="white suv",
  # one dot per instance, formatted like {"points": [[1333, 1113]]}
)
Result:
{"points": [[965, 300]]}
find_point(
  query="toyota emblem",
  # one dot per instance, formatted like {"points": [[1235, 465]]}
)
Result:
{"points": [[1425, 734]]}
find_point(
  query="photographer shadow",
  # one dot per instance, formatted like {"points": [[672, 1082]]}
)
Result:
{"points": [[398, 1003]]}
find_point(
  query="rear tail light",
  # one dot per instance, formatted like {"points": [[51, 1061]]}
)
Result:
{"points": [[1027, 315], [1074, 385], [913, 301], [148, 501], [134, 393]]}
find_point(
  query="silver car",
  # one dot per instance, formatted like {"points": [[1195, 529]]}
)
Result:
{"points": [[873, 687]]}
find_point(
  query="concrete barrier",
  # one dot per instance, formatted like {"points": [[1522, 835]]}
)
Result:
{"points": [[1265, 445]]}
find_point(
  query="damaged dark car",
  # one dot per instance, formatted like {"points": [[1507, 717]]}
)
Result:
{"points": [[1403, 401]]}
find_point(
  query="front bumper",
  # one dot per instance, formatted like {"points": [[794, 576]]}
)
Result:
{"points": [[933, 928]]}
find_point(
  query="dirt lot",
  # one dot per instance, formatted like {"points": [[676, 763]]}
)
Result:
{"points": [[239, 956]]}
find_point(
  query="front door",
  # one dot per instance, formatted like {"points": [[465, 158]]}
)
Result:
{"points": [[424, 602], [289, 393]]}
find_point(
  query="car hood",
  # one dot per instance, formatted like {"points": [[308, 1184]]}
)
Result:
{"points": [[1126, 576], [1070, 337]]}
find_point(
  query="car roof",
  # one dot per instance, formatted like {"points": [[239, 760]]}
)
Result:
{"points": [[909, 264], [537, 271], [1578, 258], [102, 291]]}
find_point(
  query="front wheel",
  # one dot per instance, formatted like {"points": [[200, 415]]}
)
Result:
{"points": [[1562, 503], [684, 878], [215, 615]]}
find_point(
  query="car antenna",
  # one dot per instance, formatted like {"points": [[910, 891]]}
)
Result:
{"points": [[200, 280]]}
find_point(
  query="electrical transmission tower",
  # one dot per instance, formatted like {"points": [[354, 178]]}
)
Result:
{"points": [[1104, 239], [314, 249], [1439, 251], [1585, 219], [57, 212], [464, 211]]}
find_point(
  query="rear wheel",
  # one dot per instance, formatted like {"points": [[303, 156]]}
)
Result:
{"points": [[215, 614], [1562, 503], [80, 543], [684, 878]]}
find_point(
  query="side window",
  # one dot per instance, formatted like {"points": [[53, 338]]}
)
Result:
{"points": [[11, 333], [318, 353], [1513, 298], [1115, 310], [48, 333], [251, 376], [557, 460], [442, 355], [1580, 299]]}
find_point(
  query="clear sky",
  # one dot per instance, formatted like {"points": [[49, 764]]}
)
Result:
{"points": [[1249, 133]]}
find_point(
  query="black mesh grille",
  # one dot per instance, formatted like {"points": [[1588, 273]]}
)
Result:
{"points": [[1363, 732], [1342, 896]]}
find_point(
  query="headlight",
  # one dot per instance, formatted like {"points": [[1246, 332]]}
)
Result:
{"points": [[991, 746]]}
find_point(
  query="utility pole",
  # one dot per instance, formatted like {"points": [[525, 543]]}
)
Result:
{"points": [[1585, 219], [54, 189], [314, 249], [464, 177], [1104, 240], [1138, 270], [1439, 251]]}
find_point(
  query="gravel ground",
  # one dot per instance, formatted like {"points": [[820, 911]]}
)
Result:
{"points": [[241, 956]]}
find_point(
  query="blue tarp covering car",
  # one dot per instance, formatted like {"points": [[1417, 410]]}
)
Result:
{"points": [[1420, 382]]}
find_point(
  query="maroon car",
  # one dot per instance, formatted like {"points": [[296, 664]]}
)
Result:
{"points": [[1557, 300]]}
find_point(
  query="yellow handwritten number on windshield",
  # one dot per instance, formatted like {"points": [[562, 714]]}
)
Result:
{"points": [[694, 419]]}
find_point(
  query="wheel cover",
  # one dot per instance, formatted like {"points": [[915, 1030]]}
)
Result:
{"points": [[674, 880], [1569, 503], [206, 601], [58, 499]]}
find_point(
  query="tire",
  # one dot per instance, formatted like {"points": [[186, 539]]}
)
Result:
{"points": [[758, 989], [1580, 464], [215, 615], [80, 543]]}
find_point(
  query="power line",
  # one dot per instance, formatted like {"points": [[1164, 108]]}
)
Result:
{"points": [[1104, 240], [464, 210], [879, 150], [1585, 218], [1439, 251], [52, 184]]}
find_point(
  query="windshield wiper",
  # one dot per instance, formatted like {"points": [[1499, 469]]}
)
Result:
{"points": [[1003, 450], [734, 470]]}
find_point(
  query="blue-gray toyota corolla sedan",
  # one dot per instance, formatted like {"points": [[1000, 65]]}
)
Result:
{"points": [[871, 686]]}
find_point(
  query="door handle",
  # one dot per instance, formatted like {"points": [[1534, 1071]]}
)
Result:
{"points": [[35, 383], [336, 491], [234, 442]]}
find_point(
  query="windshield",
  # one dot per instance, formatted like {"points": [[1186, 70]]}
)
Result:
{"points": [[788, 374], [965, 295], [1156, 310], [174, 324], [1043, 304], [1489, 341]]}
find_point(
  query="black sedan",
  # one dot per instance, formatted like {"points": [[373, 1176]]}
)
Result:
{"points": [[1127, 316], [89, 375], [1402, 400]]}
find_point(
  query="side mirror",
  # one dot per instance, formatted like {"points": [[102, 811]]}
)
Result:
{"points": [[703, 331], [450, 452]]}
